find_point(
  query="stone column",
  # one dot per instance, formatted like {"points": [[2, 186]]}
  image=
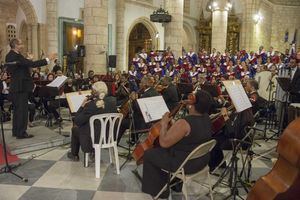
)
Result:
{"points": [[29, 38], [248, 26], [219, 25], [96, 35], [120, 7], [34, 41], [52, 31], [173, 30]]}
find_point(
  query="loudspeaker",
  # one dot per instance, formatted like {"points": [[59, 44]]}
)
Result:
{"points": [[112, 61], [81, 51]]}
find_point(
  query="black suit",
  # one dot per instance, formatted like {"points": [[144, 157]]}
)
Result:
{"points": [[81, 135], [20, 86], [170, 96], [295, 87]]}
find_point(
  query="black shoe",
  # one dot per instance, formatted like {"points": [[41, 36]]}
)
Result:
{"points": [[72, 157], [58, 121], [178, 185], [131, 142], [25, 136]]}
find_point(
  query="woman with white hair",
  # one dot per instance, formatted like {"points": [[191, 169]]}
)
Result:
{"points": [[98, 103]]}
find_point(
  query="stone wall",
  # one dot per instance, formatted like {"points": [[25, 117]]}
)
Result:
{"points": [[285, 18], [7, 15], [263, 30]]}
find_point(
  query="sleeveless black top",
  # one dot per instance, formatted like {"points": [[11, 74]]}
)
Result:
{"points": [[200, 133]]}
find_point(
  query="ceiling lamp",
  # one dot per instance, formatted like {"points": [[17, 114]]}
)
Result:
{"points": [[161, 16]]}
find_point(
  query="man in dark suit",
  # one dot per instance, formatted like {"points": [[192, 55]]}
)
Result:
{"points": [[146, 86], [295, 81], [21, 85]]}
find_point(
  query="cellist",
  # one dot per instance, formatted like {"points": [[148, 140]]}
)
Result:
{"points": [[176, 143]]}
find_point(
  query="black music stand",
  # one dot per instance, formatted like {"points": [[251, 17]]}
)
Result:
{"points": [[285, 84], [46, 92], [8, 169]]}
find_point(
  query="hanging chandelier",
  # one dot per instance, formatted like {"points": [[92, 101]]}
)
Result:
{"points": [[161, 16]]}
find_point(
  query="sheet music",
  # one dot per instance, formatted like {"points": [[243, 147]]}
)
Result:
{"points": [[75, 99], [238, 95], [58, 81], [152, 108]]}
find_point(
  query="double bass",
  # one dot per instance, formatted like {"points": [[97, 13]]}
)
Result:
{"points": [[283, 181]]}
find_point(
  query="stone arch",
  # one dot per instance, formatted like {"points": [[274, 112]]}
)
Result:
{"points": [[29, 11], [23, 35], [151, 28], [190, 37]]}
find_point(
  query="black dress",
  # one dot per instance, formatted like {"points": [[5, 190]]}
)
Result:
{"points": [[81, 135], [171, 158]]}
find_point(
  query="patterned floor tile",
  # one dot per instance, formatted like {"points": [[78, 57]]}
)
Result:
{"points": [[125, 182], [12, 192], [32, 170], [71, 175], [121, 196], [36, 193]]}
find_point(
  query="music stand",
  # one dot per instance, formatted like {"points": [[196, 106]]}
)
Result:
{"points": [[285, 84], [241, 102], [8, 169]]}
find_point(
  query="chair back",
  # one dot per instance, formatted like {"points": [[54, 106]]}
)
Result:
{"points": [[199, 151], [109, 122]]}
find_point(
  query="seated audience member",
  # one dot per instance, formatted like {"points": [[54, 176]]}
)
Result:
{"points": [[176, 143], [99, 104]]}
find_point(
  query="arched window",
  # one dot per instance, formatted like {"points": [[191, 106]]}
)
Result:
{"points": [[11, 32]]}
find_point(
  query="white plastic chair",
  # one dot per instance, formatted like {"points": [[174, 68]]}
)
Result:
{"points": [[113, 120], [201, 150]]}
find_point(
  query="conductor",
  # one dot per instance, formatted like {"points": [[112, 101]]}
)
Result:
{"points": [[21, 85]]}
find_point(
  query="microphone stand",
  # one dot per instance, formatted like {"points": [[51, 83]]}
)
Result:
{"points": [[8, 169]]}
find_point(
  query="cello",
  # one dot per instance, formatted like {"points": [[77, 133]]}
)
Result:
{"points": [[154, 132], [151, 139], [283, 181]]}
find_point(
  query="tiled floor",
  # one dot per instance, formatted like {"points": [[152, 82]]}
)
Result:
{"points": [[52, 176]]}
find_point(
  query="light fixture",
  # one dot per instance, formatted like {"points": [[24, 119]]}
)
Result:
{"points": [[157, 35], [257, 18], [228, 6], [161, 16], [74, 32], [213, 6]]}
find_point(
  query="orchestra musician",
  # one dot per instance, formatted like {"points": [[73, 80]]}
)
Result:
{"points": [[257, 102], [21, 85], [235, 125], [176, 143], [146, 90], [169, 93], [100, 103], [295, 81]]}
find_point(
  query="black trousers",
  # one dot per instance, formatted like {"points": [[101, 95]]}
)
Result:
{"points": [[156, 159], [20, 113], [31, 107], [80, 139]]}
